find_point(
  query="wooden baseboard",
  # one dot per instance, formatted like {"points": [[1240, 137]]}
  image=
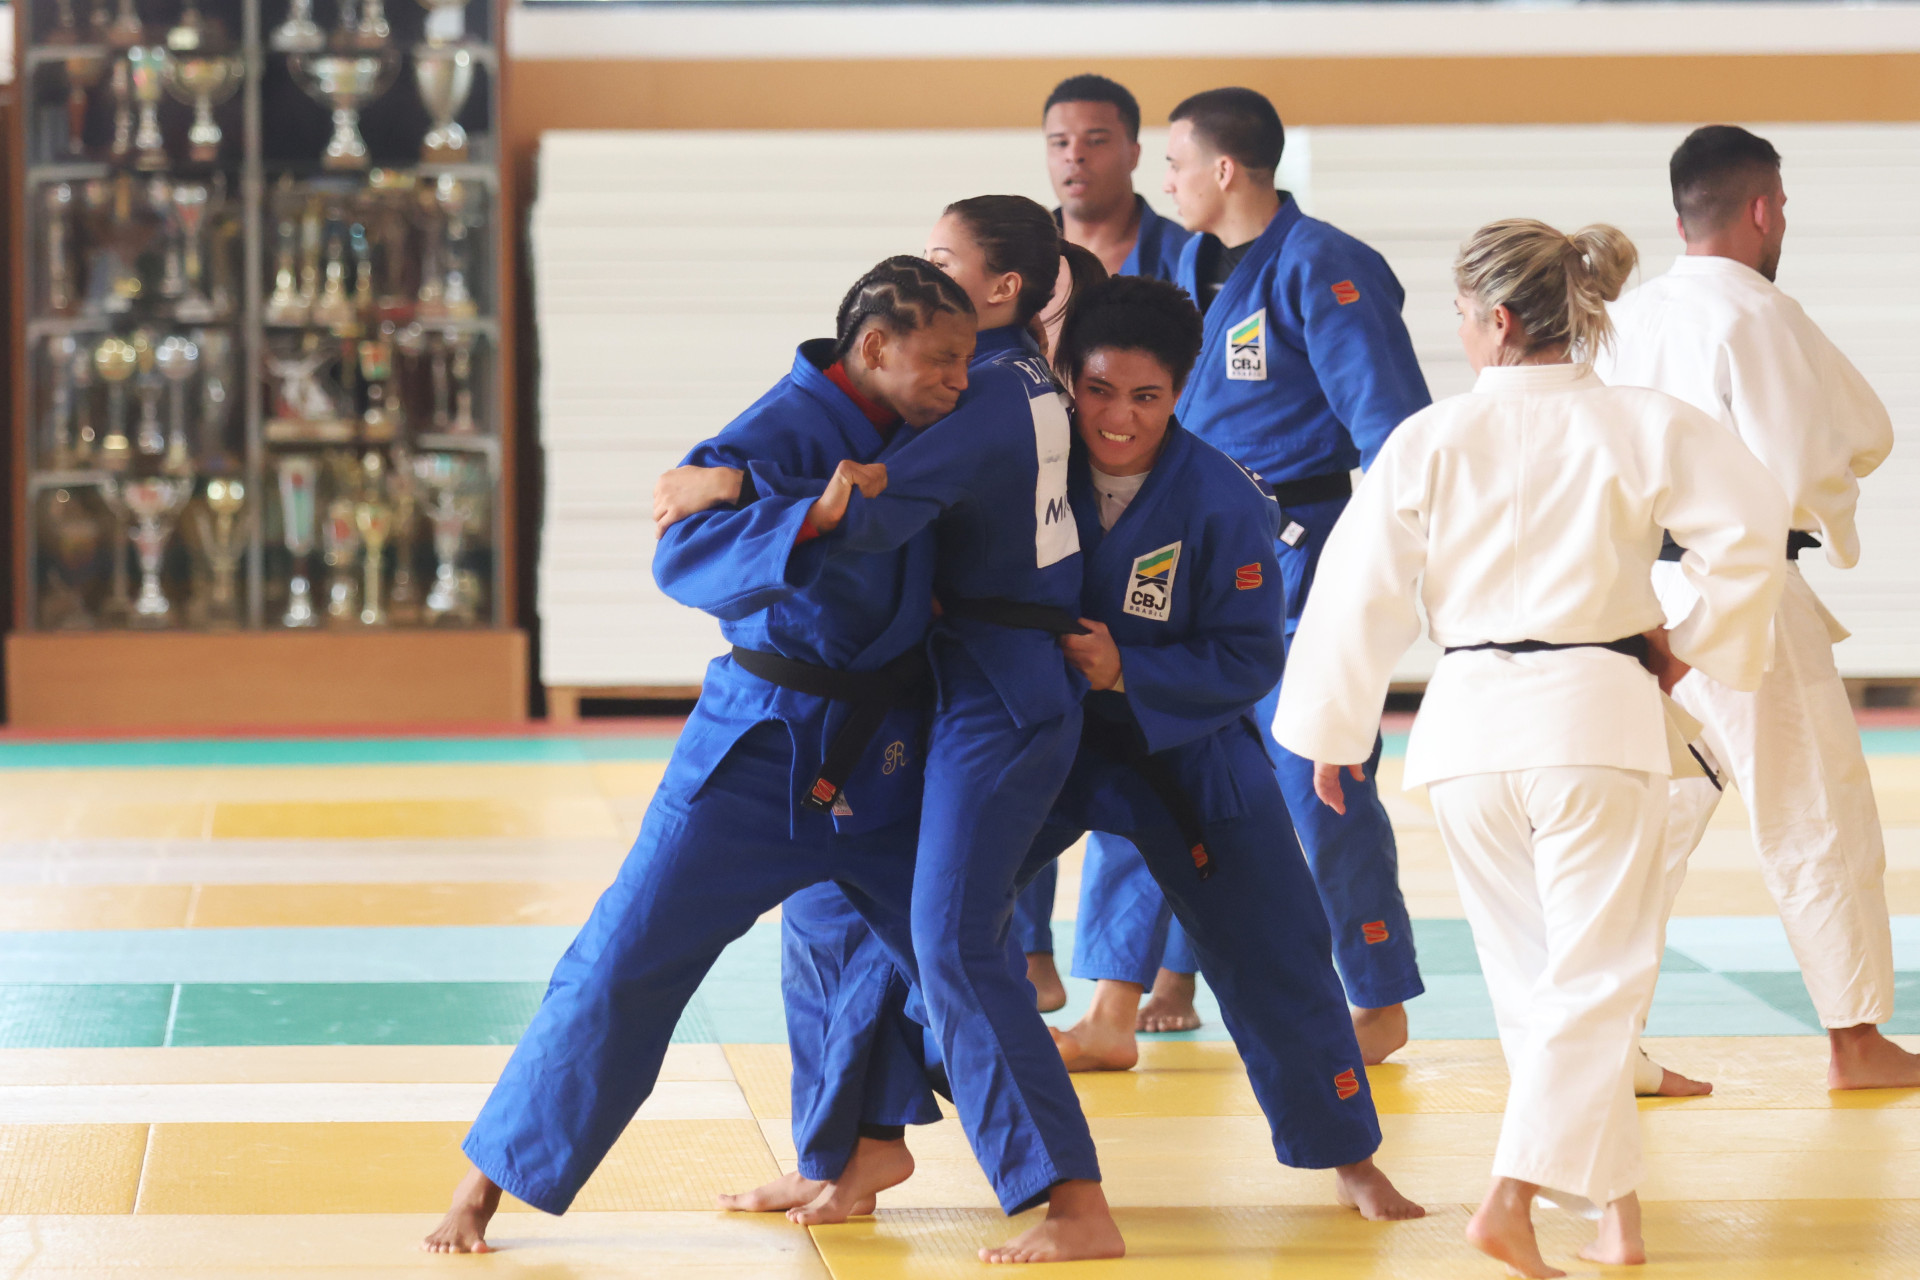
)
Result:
{"points": [[563, 700], [266, 679]]}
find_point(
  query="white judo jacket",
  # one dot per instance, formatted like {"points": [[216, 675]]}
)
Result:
{"points": [[1531, 508], [1725, 339]]}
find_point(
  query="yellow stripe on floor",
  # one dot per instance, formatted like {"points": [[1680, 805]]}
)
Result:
{"points": [[70, 1168], [305, 1064]]}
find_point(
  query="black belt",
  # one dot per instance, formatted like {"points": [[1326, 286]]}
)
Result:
{"points": [[1298, 493], [1016, 614], [1796, 543], [1122, 743], [870, 693], [1634, 647]]}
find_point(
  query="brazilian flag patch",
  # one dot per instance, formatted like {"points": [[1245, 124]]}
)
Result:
{"points": [[1150, 585]]}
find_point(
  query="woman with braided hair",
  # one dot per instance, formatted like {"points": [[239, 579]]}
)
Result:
{"points": [[818, 696], [1526, 516]]}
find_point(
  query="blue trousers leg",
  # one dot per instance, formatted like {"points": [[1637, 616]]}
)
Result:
{"points": [[1356, 868], [1262, 942], [990, 784], [708, 862], [1123, 916], [1033, 913], [856, 1056]]}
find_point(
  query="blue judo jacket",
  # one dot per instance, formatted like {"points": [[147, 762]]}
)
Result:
{"points": [[993, 473], [1156, 249], [1188, 584], [852, 612], [1306, 366]]}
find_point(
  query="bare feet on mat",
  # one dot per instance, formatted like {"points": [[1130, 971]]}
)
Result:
{"points": [[789, 1191], [1502, 1228], [1381, 1032], [1619, 1243], [1049, 992], [1170, 1007], [1078, 1225], [1088, 1046], [464, 1229], [1865, 1059], [1364, 1187], [875, 1166]]}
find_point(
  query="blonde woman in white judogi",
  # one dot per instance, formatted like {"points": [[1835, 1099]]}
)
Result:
{"points": [[1717, 333], [1526, 516]]}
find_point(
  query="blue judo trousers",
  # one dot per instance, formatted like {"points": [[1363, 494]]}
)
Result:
{"points": [[1188, 584], [1304, 370], [990, 480], [726, 837]]}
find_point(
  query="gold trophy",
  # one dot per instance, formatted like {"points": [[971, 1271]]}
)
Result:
{"points": [[203, 83], [115, 360], [224, 539], [340, 546], [374, 520]]}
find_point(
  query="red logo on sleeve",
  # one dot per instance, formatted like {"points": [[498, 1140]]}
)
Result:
{"points": [[1346, 293], [1345, 1084], [1374, 931], [1248, 576]]}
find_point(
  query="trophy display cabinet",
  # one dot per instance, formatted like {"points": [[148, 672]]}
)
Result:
{"points": [[262, 452]]}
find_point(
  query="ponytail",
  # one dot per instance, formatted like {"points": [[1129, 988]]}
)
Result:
{"points": [[1557, 286], [1018, 236]]}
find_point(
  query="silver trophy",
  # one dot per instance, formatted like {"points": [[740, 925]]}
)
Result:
{"points": [[299, 476], [304, 409], [444, 76], [339, 548], [299, 33], [450, 513], [118, 603], [285, 307], [216, 349], [176, 358], [203, 83], [446, 20], [148, 69], [346, 83], [155, 502], [455, 200]]}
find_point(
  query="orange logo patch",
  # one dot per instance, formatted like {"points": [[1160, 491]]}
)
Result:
{"points": [[1247, 577], [824, 791], [1345, 1084], [1374, 931], [1346, 293]]}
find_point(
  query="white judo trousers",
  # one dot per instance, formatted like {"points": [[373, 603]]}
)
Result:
{"points": [[1561, 879], [1793, 749]]}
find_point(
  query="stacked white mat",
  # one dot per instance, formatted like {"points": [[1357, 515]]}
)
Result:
{"points": [[675, 272]]}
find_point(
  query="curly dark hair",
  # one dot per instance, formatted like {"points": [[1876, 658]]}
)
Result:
{"points": [[1132, 313]]}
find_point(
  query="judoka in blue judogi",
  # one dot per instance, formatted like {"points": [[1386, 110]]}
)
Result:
{"points": [[730, 832], [1305, 369]]}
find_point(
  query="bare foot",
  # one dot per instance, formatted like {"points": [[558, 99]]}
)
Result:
{"points": [[464, 1229], [1502, 1228], [789, 1191], [1865, 1059], [1364, 1187], [1619, 1243], [1170, 1007], [875, 1166], [1078, 1226], [1675, 1085], [1049, 992], [1086, 1047], [1381, 1032]]}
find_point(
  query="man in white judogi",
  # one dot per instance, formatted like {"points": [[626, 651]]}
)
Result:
{"points": [[1716, 332]]}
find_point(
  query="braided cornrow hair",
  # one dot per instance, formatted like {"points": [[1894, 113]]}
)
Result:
{"points": [[903, 293]]}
